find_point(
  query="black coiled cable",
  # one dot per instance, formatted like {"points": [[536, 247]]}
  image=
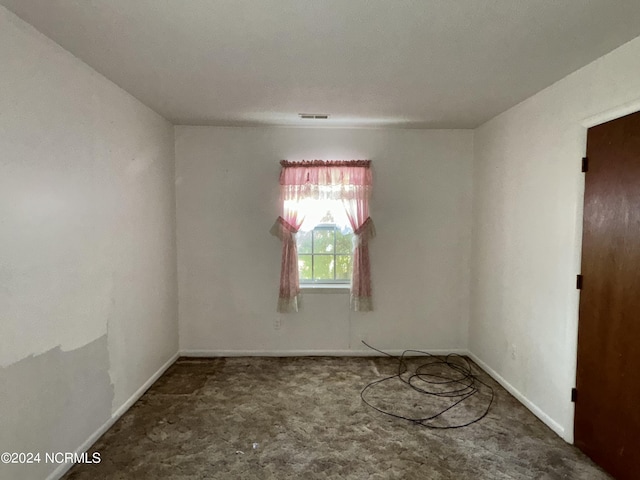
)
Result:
{"points": [[428, 379]]}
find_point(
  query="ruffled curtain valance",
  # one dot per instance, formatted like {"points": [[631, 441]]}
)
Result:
{"points": [[347, 181]]}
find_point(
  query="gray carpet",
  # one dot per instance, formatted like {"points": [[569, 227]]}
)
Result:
{"points": [[290, 418]]}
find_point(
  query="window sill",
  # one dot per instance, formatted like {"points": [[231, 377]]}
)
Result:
{"points": [[324, 288]]}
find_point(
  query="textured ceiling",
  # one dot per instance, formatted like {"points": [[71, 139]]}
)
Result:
{"points": [[422, 63]]}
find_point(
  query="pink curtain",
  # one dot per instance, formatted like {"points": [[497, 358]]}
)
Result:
{"points": [[285, 228], [348, 181], [357, 208]]}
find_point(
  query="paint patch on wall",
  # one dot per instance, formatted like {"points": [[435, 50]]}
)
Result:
{"points": [[53, 402]]}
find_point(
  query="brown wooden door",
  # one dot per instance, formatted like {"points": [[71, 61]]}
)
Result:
{"points": [[607, 416]]}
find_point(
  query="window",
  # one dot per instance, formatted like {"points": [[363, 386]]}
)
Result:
{"points": [[324, 254], [324, 243], [325, 229]]}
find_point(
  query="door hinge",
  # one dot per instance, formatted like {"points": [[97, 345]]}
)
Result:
{"points": [[574, 395], [585, 164], [579, 282]]}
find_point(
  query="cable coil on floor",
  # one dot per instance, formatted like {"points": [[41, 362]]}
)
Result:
{"points": [[458, 383]]}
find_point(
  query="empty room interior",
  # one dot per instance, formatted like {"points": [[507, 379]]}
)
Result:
{"points": [[355, 239]]}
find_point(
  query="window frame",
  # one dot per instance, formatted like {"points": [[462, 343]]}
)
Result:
{"points": [[304, 283]]}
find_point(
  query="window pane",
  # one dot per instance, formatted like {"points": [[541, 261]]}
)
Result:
{"points": [[323, 267], [323, 240], [304, 267], [304, 242], [344, 240], [343, 267], [315, 211]]}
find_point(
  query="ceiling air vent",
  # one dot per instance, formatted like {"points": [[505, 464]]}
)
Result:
{"points": [[314, 116]]}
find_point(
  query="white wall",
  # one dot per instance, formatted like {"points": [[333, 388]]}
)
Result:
{"points": [[87, 250], [528, 227], [229, 264]]}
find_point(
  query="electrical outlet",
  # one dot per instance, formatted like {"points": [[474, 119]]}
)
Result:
{"points": [[277, 323]]}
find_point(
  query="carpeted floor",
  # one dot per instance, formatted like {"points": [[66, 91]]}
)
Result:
{"points": [[303, 418]]}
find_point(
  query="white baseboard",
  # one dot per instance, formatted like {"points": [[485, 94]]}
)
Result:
{"points": [[309, 353], [546, 419], [63, 468]]}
